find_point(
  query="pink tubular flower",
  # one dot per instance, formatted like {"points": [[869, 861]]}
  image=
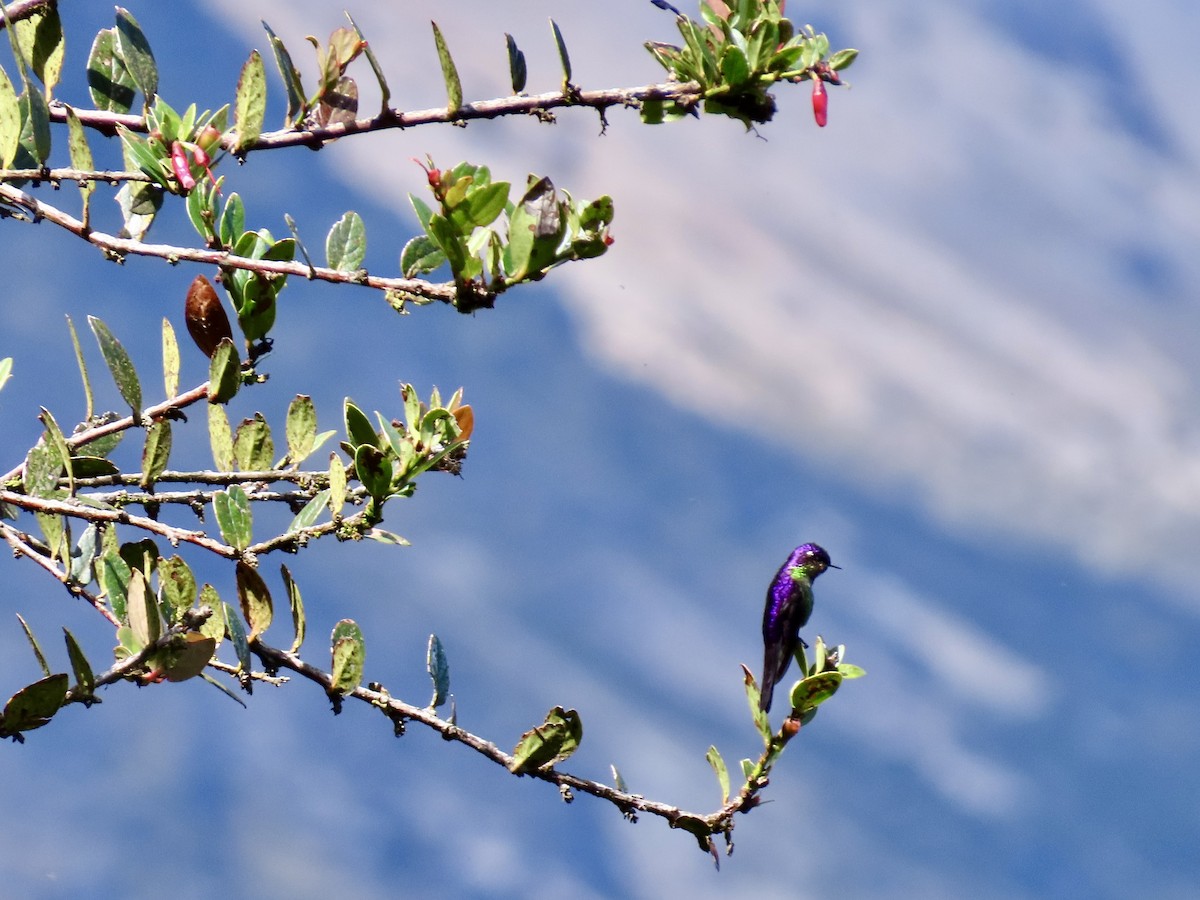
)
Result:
{"points": [[181, 167], [820, 102]]}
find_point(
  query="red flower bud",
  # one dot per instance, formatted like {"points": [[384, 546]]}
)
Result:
{"points": [[432, 174], [181, 168], [820, 101]]}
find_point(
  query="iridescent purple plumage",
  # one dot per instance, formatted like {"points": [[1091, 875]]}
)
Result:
{"points": [[789, 604]]}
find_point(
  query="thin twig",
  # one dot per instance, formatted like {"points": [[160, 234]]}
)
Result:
{"points": [[119, 247], [22, 9], [702, 826], [56, 175], [23, 544], [686, 93]]}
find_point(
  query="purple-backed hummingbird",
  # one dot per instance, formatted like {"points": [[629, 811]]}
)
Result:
{"points": [[789, 604]]}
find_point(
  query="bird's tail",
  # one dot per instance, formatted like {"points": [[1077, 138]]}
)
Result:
{"points": [[766, 691]]}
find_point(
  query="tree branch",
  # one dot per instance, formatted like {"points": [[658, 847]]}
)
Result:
{"points": [[117, 248], [686, 93], [22, 9], [702, 826], [23, 545]]}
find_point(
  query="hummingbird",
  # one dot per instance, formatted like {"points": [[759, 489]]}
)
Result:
{"points": [[789, 604]]}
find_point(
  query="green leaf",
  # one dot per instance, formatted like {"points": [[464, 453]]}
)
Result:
{"points": [[563, 56], [346, 245], [237, 637], [484, 204], [144, 620], [170, 358], [358, 426], [421, 256], [35, 127], [516, 64], [349, 653], [291, 79], [10, 121], [253, 447], [81, 158], [301, 428], [296, 602], [43, 466], [810, 692], [250, 107], [55, 438], [735, 69], [55, 530], [33, 706], [220, 438], [255, 599], [109, 81], [374, 470], [5, 370], [189, 660], [83, 556], [214, 625], [536, 228], [37, 650], [618, 781], [85, 681], [141, 555], [454, 90], [753, 696], [439, 671], [134, 51], [40, 37], [155, 452], [87, 383], [449, 239], [308, 516], [115, 575], [421, 210], [387, 537], [718, 766], [178, 586], [337, 485], [224, 373], [233, 220], [843, 59], [846, 670], [234, 518], [549, 743], [119, 364]]}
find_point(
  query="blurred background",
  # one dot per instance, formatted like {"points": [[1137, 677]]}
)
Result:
{"points": [[950, 337]]}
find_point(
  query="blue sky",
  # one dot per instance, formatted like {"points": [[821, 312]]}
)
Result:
{"points": [[950, 337]]}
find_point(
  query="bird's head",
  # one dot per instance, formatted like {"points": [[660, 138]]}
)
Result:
{"points": [[812, 560]]}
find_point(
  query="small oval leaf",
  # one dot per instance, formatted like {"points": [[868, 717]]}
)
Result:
{"points": [[255, 599]]}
